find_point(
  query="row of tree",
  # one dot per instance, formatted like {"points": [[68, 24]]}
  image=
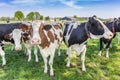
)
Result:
{"points": [[19, 15]]}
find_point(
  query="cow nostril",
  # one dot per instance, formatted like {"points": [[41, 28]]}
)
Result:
{"points": [[111, 35]]}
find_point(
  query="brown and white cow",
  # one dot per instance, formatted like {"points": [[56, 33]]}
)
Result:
{"points": [[48, 37]]}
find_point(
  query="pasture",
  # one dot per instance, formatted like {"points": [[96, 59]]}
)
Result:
{"points": [[97, 68]]}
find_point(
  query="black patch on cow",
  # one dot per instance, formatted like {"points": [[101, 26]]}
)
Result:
{"points": [[6, 29], [47, 27]]}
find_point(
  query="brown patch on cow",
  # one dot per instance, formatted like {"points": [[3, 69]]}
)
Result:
{"points": [[8, 36], [51, 36], [58, 26], [44, 40], [47, 27], [26, 28], [61, 34]]}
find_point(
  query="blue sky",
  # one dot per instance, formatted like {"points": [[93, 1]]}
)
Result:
{"points": [[60, 8]]}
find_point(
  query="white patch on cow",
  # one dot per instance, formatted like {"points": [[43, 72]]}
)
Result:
{"points": [[67, 36], [17, 37], [7, 43], [95, 36], [107, 53], [78, 48], [2, 54], [36, 26], [48, 51], [46, 35], [107, 34]]}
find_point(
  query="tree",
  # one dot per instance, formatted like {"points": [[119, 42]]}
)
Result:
{"points": [[36, 15], [19, 15], [33, 16], [41, 17], [75, 16]]}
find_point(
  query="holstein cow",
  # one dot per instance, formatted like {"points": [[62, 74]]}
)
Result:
{"points": [[76, 35], [4, 30], [113, 26], [12, 33], [22, 35], [48, 37]]}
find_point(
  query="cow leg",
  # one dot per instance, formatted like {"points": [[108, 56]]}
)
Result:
{"points": [[35, 53], [101, 46], [26, 52], [107, 49], [51, 63], [29, 54], [83, 58], [45, 63], [2, 53], [69, 53], [59, 51], [13, 47], [118, 37]]}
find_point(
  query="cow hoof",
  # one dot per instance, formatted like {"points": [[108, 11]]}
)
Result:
{"points": [[36, 61], [51, 73], [68, 66], [45, 71], [107, 57], [99, 54], [28, 60], [83, 70], [3, 65]]}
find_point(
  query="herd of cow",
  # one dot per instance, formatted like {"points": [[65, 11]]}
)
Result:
{"points": [[48, 37]]}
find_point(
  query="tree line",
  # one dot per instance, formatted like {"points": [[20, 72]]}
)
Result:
{"points": [[19, 15]]}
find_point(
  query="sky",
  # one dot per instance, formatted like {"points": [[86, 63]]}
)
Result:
{"points": [[61, 8]]}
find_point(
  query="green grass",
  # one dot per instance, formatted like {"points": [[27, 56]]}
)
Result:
{"points": [[98, 68]]}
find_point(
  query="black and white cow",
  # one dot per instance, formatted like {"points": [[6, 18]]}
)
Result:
{"points": [[6, 29], [76, 35], [14, 34], [113, 26]]}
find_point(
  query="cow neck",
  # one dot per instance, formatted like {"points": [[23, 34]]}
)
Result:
{"points": [[87, 30], [113, 27]]}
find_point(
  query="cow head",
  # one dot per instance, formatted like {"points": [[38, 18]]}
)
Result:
{"points": [[36, 27], [98, 29], [16, 36], [116, 24]]}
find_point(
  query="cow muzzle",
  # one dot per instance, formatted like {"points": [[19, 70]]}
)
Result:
{"points": [[109, 35], [18, 48], [36, 41]]}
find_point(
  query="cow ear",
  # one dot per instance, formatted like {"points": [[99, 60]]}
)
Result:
{"points": [[8, 36], [94, 16], [23, 27], [41, 26]]}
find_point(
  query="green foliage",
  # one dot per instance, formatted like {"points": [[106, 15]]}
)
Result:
{"points": [[19, 15], [37, 15], [41, 17], [33, 16], [30, 16]]}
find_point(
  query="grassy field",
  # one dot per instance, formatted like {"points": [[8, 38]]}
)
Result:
{"points": [[98, 68]]}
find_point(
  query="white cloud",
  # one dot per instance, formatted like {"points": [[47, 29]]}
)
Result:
{"points": [[27, 1], [71, 4], [3, 4]]}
